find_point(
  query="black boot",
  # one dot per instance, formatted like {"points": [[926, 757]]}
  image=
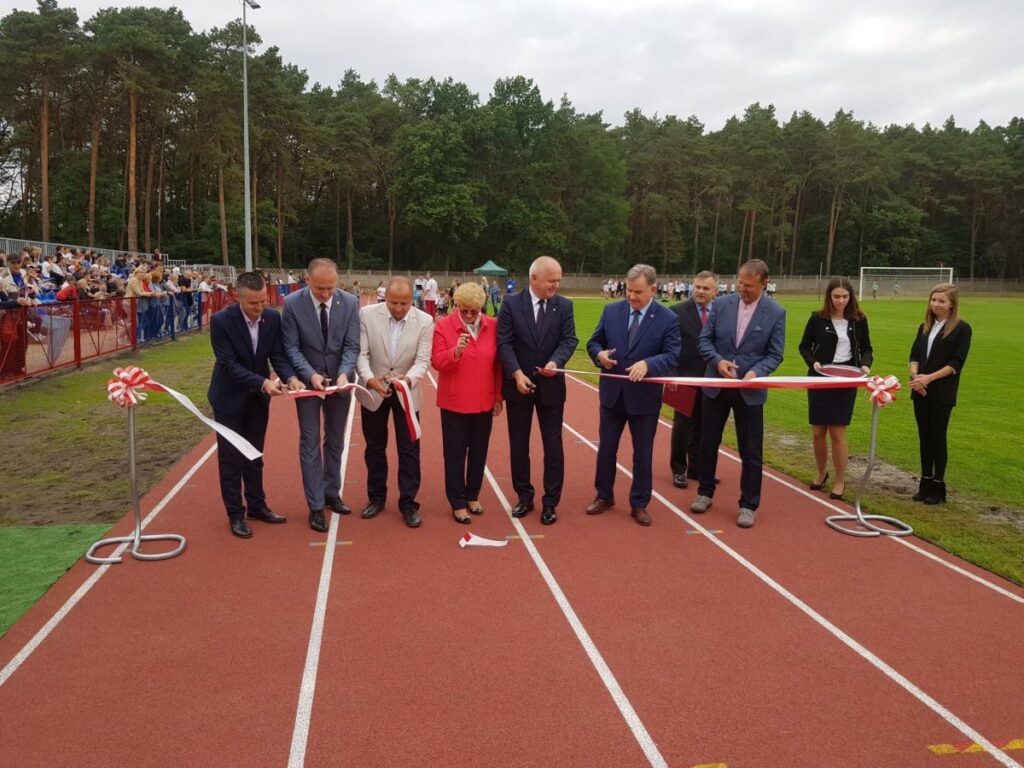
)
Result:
{"points": [[923, 489], [937, 494]]}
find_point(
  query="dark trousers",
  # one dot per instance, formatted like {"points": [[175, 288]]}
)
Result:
{"points": [[685, 457], [375, 433], [641, 431], [235, 469], [749, 435], [932, 425], [520, 421], [465, 437]]}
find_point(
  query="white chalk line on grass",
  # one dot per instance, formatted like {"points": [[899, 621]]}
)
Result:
{"points": [[307, 690], [62, 612], [820, 501], [640, 733], [858, 648]]}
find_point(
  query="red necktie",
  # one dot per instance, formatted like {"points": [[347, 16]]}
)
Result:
{"points": [[703, 315]]}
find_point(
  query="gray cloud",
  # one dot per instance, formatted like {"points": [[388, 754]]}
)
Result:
{"points": [[890, 62]]}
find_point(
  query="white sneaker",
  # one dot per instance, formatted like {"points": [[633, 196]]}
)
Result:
{"points": [[746, 518], [700, 505]]}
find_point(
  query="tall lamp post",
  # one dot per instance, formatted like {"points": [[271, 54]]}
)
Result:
{"points": [[245, 135]]}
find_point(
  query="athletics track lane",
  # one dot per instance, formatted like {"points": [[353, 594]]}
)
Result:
{"points": [[193, 661]]}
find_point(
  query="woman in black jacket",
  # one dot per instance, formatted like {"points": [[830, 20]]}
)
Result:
{"points": [[936, 359], [835, 335]]}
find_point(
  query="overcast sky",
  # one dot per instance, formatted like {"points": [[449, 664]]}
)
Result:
{"points": [[890, 61]]}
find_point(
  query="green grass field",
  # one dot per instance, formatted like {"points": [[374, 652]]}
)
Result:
{"points": [[76, 443]]}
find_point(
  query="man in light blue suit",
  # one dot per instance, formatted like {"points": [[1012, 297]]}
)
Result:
{"points": [[745, 337], [636, 338], [320, 329]]}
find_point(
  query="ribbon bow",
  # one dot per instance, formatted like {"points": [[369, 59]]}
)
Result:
{"points": [[883, 389], [127, 389]]}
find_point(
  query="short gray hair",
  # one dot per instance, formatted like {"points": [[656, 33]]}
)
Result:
{"points": [[705, 274], [642, 270], [319, 262]]}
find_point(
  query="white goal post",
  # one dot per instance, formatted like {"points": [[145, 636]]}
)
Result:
{"points": [[896, 282]]}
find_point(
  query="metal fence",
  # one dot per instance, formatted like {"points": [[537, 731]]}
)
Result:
{"points": [[13, 245], [34, 340]]}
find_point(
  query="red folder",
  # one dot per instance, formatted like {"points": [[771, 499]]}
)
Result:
{"points": [[682, 399]]}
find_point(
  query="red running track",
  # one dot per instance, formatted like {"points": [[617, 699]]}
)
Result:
{"points": [[600, 644]]}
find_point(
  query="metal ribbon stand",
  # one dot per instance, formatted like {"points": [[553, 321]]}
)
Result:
{"points": [[866, 528], [136, 538]]}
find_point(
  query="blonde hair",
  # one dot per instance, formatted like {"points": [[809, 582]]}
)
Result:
{"points": [[953, 294], [470, 296]]}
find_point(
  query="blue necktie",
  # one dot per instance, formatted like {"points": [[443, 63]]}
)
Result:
{"points": [[634, 328]]}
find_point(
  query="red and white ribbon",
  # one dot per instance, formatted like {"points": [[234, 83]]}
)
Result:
{"points": [[472, 540], [883, 390], [402, 391], [127, 390]]}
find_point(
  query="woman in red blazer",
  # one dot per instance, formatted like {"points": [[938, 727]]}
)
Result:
{"points": [[465, 355]]}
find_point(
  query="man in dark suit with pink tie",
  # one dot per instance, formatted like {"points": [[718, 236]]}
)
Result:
{"points": [[693, 316]]}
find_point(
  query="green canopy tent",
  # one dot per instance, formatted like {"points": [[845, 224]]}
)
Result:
{"points": [[491, 270]]}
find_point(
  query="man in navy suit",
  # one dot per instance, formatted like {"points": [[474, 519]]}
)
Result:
{"points": [[245, 336], [536, 334], [320, 325], [745, 337], [636, 338]]}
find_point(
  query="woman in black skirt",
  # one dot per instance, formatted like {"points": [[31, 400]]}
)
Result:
{"points": [[835, 335], [936, 359]]}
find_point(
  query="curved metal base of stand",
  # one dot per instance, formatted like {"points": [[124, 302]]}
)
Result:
{"points": [[867, 529], [899, 527], [136, 539], [134, 549]]}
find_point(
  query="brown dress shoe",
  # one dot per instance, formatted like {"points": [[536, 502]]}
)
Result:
{"points": [[640, 515], [599, 505]]}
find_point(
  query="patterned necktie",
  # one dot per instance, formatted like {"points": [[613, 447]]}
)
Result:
{"points": [[323, 322], [540, 313], [703, 315], [634, 328]]}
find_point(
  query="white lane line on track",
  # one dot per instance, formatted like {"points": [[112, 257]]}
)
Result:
{"points": [[640, 733], [88, 584], [304, 709], [820, 501], [829, 627]]}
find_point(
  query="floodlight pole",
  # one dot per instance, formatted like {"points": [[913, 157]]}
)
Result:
{"points": [[245, 136]]}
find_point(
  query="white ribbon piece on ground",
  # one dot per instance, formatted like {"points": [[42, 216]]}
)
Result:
{"points": [[472, 540]]}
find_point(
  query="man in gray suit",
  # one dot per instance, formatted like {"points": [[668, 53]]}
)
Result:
{"points": [[320, 328], [395, 340]]}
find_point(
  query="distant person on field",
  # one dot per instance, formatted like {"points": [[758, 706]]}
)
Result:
{"points": [[936, 359], [837, 334], [874, 290]]}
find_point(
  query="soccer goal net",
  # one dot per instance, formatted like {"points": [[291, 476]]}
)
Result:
{"points": [[896, 282]]}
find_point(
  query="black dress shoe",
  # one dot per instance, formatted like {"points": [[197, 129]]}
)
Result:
{"points": [[338, 506], [548, 516], [522, 508], [317, 522], [412, 518], [372, 509], [680, 481], [599, 505], [640, 515], [266, 516], [241, 528]]}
